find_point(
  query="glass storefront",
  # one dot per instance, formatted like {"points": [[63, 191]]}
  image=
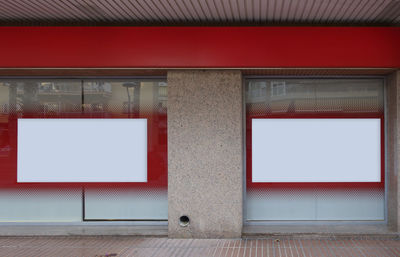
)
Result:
{"points": [[321, 155], [91, 198], [275, 190]]}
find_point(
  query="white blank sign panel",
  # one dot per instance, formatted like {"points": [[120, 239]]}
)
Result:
{"points": [[316, 150], [82, 150]]}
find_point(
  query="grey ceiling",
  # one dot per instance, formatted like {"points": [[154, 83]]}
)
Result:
{"points": [[199, 12]]}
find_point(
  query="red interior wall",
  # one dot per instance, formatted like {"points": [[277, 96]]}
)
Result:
{"points": [[202, 47]]}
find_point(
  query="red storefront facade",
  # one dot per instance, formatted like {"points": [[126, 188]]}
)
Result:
{"points": [[163, 54]]}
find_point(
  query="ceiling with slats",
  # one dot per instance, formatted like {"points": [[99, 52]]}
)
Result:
{"points": [[200, 12]]}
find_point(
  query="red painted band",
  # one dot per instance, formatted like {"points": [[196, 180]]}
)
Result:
{"points": [[199, 47]]}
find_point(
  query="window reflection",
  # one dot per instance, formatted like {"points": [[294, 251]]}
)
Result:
{"points": [[124, 98], [40, 98], [274, 96]]}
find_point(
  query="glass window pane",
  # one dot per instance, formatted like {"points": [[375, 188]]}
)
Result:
{"points": [[35, 98], [313, 99], [76, 99], [125, 99]]}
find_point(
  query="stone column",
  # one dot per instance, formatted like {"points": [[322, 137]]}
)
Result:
{"points": [[393, 144], [205, 153]]}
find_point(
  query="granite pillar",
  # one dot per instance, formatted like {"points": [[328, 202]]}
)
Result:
{"points": [[205, 153]]}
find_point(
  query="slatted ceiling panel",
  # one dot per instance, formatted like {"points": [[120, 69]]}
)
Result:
{"points": [[277, 8], [221, 10], [286, 6], [305, 15], [142, 11], [238, 6], [381, 13], [391, 11], [167, 11], [374, 9], [161, 15], [203, 10], [128, 12], [115, 10], [187, 6], [348, 12], [290, 9], [132, 11], [197, 9], [296, 10], [359, 9], [211, 12], [367, 10], [251, 11], [226, 6], [158, 10], [273, 7], [195, 12], [320, 9], [383, 10], [396, 12], [200, 12], [249, 5], [214, 10], [262, 10], [370, 10], [229, 11], [327, 8], [183, 13], [332, 10]]}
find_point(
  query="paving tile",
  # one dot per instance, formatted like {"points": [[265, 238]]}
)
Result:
{"points": [[153, 247]]}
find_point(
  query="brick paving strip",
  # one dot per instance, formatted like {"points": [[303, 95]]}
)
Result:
{"points": [[116, 246]]}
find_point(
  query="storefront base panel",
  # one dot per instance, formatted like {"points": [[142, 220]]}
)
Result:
{"points": [[249, 231], [83, 230]]}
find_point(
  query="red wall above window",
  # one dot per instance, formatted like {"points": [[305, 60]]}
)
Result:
{"points": [[199, 47]]}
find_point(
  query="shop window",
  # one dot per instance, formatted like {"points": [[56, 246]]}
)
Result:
{"points": [[113, 167], [315, 150]]}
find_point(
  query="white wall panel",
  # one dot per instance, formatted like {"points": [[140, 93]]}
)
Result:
{"points": [[82, 150], [316, 150]]}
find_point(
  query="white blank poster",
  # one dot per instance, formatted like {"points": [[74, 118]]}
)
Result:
{"points": [[82, 150], [316, 150]]}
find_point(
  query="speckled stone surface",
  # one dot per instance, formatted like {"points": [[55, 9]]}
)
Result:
{"points": [[205, 153], [393, 151]]}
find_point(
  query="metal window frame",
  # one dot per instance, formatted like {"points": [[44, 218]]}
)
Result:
{"points": [[247, 222]]}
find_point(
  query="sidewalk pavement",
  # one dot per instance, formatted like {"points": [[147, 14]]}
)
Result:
{"points": [[116, 246]]}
